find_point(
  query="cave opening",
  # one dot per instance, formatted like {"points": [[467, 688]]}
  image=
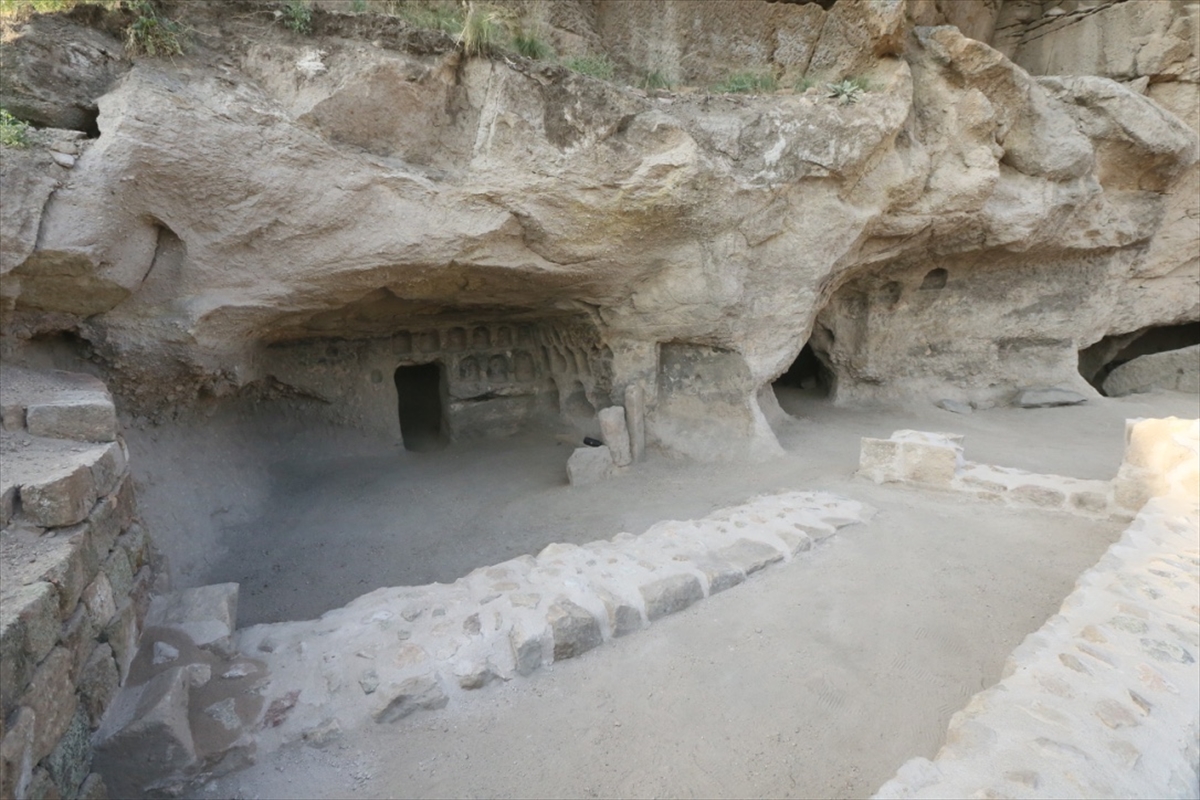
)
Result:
{"points": [[808, 379], [419, 394], [1097, 361]]}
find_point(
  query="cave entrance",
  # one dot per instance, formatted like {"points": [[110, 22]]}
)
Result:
{"points": [[1097, 361], [806, 380], [419, 392]]}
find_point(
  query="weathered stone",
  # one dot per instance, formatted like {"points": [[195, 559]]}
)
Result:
{"points": [[204, 614], [673, 593], [574, 629], [323, 735], [98, 598], [589, 465], [112, 515], [224, 713], [422, 693], [29, 628], [141, 594], [116, 569], [720, 574], [930, 464], [42, 786], [164, 653], [62, 498], [1093, 502], [527, 647], [51, 697], [71, 760], [879, 460], [72, 566], [623, 616], [148, 736], [108, 469], [955, 406], [78, 637], [1047, 398], [121, 634], [16, 754], [8, 501], [1177, 370], [473, 675], [93, 788], [98, 683], [749, 556], [83, 419], [1040, 496], [635, 420], [615, 434], [136, 545], [795, 541]]}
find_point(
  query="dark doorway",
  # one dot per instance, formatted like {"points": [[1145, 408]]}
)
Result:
{"points": [[806, 373], [1101, 358], [419, 389]]}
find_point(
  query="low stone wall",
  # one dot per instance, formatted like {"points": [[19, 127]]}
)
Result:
{"points": [[75, 579], [196, 708], [1102, 700], [935, 461]]}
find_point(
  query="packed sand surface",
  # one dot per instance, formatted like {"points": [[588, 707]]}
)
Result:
{"points": [[818, 678]]}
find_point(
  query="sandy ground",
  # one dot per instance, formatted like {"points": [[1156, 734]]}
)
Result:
{"points": [[816, 679]]}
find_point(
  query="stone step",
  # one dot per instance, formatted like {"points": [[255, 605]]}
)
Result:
{"points": [[57, 405]]}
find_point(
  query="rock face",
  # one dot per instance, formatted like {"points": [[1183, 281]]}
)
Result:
{"points": [[1176, 369], [248, 226]]}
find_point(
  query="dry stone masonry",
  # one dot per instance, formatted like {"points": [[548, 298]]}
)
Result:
{"points": [[76, 575], [1103, 700]]}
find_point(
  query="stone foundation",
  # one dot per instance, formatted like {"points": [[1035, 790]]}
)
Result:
{"points": [[76, 572], [1102, 700]]}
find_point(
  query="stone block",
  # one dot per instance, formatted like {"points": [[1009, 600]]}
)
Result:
{"points": [[615, 434], [121, 634], [62, 497], [574, 629], [108, 469], [749, 556], [71, 759], [150, 738], [204, 614], [112, 515], [930, 464], [1047, 398], [527, 647], [78, 638], [8, 503], [99, 601], [635, 420], [16, 755], [1091, 502], [12, 416], [42, 786], [879, 460], [719, 573], [141, 594], [422, 693], [136, 545], [623, 617], [82, 417], [51, 697], [98, 683], [120, 575], [29, 629], [589, 465], [1040, 496], [955, 406], [93, 788], [72, 565], [671, 594]]}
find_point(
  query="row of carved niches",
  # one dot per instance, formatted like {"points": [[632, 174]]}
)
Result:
{"points": [[461, 338]]}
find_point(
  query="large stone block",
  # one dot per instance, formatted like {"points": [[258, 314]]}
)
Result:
{"points": [[671, 594], [16, 755], [615, 434], [83, 417], [527, 644], [121, 634], [879, 460], [108, 469], [51, 697], [29, 628], [148, 737], [589, 465], [749, 556], [72, 564], [422, 693], [98, 683], [112, 515], [62, 497], [205, 614], [635, 420], [929, 464], [574, 629], [71, 760]]}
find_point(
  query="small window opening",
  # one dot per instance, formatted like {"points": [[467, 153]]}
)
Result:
{"points": [[419, 390]]}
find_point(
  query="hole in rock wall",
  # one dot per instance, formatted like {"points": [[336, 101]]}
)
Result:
{"points": [[420, 392], [1097, 361], [808, 378]]}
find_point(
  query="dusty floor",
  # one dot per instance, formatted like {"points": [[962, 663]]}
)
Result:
{"points": [[814, 679]]}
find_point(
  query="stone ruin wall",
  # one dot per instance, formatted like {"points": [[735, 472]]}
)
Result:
{"points": [[78, 571]]}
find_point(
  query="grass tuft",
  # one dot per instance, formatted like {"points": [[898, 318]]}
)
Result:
{"points": [[439, 15], [655, 80], [595, 66], [296, 16], [531, 46], [747, 83], [150, 33], [481, 33]]}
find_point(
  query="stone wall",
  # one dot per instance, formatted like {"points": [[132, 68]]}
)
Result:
{"points": [[76, 572], [1102, 700]]}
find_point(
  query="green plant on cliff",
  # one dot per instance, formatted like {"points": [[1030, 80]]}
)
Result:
{"points": [[747, 83], [13, 132], [655, 80], [482, 32], [530, 45], [848, 90], [296, 16], [595, 66], [150, 33], [438, 15]]}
